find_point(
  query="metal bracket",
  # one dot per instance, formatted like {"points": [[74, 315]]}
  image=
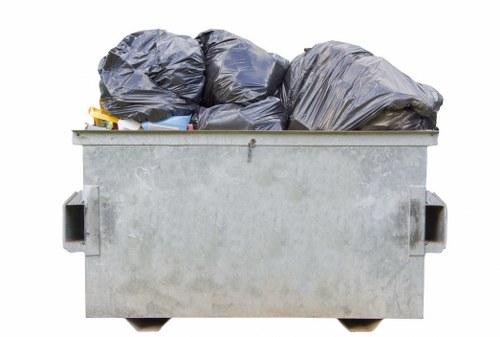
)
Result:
{"points": [[435, 223], [81, 230], [73, 226], [416, 231], [91, 214], [427, 222]]}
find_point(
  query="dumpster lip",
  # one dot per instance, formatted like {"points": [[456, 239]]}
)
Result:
{"points": [[263, 138]]}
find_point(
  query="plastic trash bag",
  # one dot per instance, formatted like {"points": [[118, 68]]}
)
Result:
{"points": [[339, 86], [152, 75], [238, 71], [269, 114]]}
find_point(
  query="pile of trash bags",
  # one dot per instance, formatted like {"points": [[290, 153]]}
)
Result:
{"points": [[155, 79]]}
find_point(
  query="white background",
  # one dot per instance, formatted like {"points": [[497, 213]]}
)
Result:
{"points": [[49, 56]]}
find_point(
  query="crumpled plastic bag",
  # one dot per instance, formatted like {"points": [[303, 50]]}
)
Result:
{"points": [[340, 86], [268, 114], [238, 71], [152, 75]]}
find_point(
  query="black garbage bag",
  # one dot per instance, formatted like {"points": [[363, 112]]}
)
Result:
{"points": [[268, 114], [238, 71], [339, 86], [152, 75]]}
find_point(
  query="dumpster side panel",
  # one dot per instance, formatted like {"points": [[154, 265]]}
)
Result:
{"points": [[299, 231]]}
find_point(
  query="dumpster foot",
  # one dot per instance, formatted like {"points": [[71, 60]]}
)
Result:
{"points": [[359, 324], [147, 324]]}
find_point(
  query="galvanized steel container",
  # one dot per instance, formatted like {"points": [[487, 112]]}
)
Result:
{"points": [[254, 224]]}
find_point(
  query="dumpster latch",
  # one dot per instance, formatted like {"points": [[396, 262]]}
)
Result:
{"points": [[251, 145]]}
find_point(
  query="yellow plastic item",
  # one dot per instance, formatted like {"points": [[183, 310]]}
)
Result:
{"points": [[99, 114]]}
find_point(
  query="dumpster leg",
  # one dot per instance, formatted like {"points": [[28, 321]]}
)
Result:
{"points": [[147, 324], [359, 324]]}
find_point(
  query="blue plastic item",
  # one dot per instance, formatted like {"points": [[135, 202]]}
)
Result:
{"points": [[172, 123]]}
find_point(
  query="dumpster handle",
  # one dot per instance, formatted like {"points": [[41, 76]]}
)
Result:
{"points": [[81, 222]]}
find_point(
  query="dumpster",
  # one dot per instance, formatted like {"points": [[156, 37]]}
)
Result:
{"points": [[254, 224]]}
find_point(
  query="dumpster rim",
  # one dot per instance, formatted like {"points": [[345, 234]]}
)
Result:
{"points": [[264, 138]]}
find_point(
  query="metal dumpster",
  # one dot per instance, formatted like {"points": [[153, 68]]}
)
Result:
{"points": [[254, 224]]}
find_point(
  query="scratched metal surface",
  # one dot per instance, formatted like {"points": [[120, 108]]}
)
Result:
{"points": [[299, 231]]}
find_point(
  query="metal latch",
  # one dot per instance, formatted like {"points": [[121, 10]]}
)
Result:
{"points": [[251, 145]]}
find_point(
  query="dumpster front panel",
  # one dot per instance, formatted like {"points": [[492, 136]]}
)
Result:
{"points": [[277, 229]]}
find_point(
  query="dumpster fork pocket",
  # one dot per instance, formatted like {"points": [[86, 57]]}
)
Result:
{"points": [[81, 222]]}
